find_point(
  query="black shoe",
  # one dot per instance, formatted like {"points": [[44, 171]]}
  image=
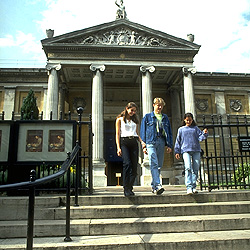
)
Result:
{"points": [[132, 193], [129, 193]]}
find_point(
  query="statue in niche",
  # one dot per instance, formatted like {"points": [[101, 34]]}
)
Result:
{"points": [[121, 13]]}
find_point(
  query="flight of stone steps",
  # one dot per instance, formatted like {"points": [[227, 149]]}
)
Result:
{"points": [[174, 220]]}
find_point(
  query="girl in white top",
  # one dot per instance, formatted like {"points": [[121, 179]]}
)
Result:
{"points": [[127, 136]]}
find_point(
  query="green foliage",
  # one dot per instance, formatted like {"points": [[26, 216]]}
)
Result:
{"points": [[30, 105], [242, 172]]}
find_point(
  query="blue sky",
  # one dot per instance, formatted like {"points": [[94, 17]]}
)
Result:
{"points": [[221, 27]]}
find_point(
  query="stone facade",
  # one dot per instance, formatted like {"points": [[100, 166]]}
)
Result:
{"points": [[104, 67]]}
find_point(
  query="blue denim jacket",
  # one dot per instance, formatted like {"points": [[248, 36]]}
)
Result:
{"points": [[148, 131]]}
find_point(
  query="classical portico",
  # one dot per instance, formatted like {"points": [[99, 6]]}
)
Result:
{"points": [[111, 64]]}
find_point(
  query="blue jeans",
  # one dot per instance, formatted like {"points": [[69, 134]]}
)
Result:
{"points": [[156, 157], [192, 164], [130, 151]]}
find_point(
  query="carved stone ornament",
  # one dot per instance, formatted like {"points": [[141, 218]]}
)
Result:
{"points": [[50, 33], [79, 102], [121, 36], [50, 66], [187, 70], [235, 105], [143, 69], [94, 67], [201, 104]]}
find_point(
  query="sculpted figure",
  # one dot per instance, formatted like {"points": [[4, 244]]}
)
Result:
{"points": [[121, 13]]}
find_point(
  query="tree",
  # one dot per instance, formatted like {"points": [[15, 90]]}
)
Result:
{"points": [[29, 105]]}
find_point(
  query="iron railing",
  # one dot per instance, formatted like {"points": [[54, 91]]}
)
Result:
{"points": [[33, 183]]}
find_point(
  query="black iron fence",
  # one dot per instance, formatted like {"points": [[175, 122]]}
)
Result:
{"points": [[16, 162], [226, 160]]}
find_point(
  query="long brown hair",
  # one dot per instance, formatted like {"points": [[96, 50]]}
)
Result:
{"points": [[124, 113]]}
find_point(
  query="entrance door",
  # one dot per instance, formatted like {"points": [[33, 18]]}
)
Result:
{"points": [[113, 161]]}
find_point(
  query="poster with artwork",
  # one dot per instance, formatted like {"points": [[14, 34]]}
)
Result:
{"points": [[45, 141], [56, 141], [34, 141]]}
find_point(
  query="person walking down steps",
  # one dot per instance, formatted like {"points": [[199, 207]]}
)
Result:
{"points": [[156, 133], [187, 144], [127, 137]]}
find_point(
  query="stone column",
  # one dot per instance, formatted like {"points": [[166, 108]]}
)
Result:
{"points": [[61, 100], [221, 110], [147, 107], [147, 101], [220, 103], [52, 94], [99, 177], [177, 177], [9, 102], [45, 96], [189, 90]]}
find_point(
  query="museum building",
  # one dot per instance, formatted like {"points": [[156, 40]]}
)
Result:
{"points": [[104, 67]]}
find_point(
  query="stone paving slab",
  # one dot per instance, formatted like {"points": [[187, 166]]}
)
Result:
{"points": [[222, 240]]}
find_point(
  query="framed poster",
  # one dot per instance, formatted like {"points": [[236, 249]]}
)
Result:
{"points": [[45, 141], [4, 141]]}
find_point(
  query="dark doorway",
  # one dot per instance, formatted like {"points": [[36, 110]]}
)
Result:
{"points": [[113, 161]]}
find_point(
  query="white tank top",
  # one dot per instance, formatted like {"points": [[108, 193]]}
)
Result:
{"points": [[128, 128]]}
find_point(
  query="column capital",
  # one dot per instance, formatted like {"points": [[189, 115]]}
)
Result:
{"points": [[144, 69], [95, 67], [186, 70], [51, 66]]}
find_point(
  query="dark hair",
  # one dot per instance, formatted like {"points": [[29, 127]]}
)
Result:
{"points": [[124, 113], [191, 116]]}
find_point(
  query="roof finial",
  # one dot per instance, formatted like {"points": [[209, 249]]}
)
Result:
{"points": [[121, 12]]}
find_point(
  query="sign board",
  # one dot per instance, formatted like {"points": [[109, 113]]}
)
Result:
{"points": [[244, 144], [118, 175]]}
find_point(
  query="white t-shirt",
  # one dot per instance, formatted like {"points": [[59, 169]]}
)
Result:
{"points": [[128, 128]]}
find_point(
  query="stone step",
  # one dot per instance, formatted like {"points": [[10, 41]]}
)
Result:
{"points": [[139, 225], [168, 197], [148, 210], [145, 197], [127, 211], [219, 240]]}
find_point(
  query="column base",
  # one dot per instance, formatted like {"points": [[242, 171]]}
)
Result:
{"points": [[99, 177]]}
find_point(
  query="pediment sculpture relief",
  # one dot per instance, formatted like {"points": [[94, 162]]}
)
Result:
{"points": [[122, 36]]}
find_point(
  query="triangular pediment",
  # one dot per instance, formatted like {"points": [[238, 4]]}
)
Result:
{"points": [[121, 33]]}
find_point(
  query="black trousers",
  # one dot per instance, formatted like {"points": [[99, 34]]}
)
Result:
{"points": [[129, 147]]}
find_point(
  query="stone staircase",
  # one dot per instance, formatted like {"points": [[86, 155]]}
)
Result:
{"points": [[108, 220]]}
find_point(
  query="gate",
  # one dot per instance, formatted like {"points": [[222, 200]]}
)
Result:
{"points": [[226, 160]]}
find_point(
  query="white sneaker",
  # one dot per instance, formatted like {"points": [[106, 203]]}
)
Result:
{"points": [[189, 191], [195, 191]]}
